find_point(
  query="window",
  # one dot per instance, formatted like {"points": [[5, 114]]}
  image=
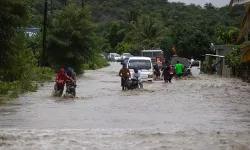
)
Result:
{"points": [[147, 54], [195, 64], [126, 54], [155, 54], [140, 64]]}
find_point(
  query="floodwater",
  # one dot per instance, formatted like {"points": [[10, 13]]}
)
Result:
{"points": [[205, 112]]}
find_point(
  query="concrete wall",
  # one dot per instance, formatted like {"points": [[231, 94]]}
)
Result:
{"points": [[226, 73], [223, 50]]}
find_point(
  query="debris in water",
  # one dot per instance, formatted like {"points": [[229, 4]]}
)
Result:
{"points": [[149, 91], [68, 96], [189, 78]]}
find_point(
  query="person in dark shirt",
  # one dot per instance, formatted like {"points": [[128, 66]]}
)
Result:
{"points": [[124, 73]]}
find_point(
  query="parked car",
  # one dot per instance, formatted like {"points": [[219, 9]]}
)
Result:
{"points": [[125, 61], [110, 55], [125, 55], [144, 64], [114, 57], [195, 67]]}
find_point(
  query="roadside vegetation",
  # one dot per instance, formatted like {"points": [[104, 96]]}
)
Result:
{"points": [[79, 32]]}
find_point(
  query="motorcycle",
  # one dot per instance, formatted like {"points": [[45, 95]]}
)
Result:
{"points": [[70, 88], [58, 91], [134, 84]]}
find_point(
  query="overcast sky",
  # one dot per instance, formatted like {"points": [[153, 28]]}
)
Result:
{"points": [[218, 3]]}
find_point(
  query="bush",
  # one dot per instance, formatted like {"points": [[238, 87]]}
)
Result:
{"points": [[85, 67], [26, 84], [204, 66], [43, 74], [92, 66], [98, 62]]}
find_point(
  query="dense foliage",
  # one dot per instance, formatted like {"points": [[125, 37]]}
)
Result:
{"points": [[133, 25], [71, 41]]}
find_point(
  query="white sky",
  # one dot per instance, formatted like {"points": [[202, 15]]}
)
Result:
{"points": [[217, 3]]}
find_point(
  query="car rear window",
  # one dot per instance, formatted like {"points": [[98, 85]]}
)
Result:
{"points": [[147, 54], [155, 54], [140, 64]]}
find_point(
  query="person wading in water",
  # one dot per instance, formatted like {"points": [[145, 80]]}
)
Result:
{"points": [[124, 73], [179, 69], [168, 73]]}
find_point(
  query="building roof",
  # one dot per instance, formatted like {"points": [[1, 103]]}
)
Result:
{"points": [[152, 50], [139, 58], [215, 55], [33, 30]]}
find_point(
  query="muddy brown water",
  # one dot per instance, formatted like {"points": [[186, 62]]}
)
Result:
{"points": [[205, 112]]}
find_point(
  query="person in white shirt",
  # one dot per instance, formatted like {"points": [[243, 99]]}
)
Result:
{"points": [[136, 75], [191, 61]]}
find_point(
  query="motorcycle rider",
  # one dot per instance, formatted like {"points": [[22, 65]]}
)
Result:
{"points": [[136, 75], [124, 73], [72, 75], [61, 79], [157, 71]]}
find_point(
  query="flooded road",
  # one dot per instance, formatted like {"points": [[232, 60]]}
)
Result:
{"points": [[205, 112]]}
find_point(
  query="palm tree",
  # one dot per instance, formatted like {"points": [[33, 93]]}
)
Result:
{"points": [[244, 28], [145, 31]]}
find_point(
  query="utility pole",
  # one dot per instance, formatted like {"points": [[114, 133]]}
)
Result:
{"points": [[246, 37], [44, 31], [82, 4], [51, 7]]}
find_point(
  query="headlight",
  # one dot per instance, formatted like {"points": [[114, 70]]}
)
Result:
{"points": [[150, 75]]}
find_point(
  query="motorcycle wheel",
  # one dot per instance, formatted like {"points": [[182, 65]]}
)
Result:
{"points": [[61, 92], [74, 92]]}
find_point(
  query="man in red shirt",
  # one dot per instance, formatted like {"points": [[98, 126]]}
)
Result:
{"points": [[60, 80]]}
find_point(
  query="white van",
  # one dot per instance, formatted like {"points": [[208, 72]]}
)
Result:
{"points": [[195, 67], [144, 64]]}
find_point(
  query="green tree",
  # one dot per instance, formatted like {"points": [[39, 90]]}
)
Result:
{"points": [[14, 15], [72, 38], [192, 39], [146, 32], [115, 35], [226, 35], [244, 29]]}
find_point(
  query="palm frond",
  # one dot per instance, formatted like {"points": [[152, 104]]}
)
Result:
{"points": [[244, 24], [237, 2], [246, 56], [246, 52]]}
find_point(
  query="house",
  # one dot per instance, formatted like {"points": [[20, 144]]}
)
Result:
{"points": [[31, 31]]}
